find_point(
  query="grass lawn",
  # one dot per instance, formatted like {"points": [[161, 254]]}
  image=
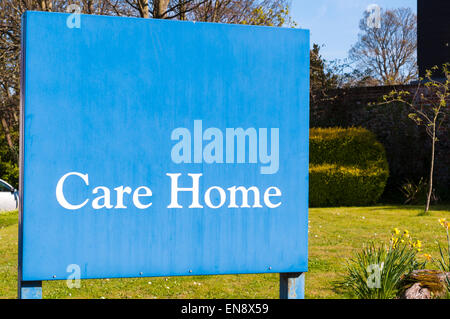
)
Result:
{"points": [[334, 234]]}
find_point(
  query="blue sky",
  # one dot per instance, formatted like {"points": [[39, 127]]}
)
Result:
{"points": [[334, 23]]}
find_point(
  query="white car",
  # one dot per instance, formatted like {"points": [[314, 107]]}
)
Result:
{"points": [[9, 199]]}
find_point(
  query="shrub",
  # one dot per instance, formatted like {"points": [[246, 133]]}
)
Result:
{"points": [[416, 194], [10, 173], [332, 185], [347, 167]]}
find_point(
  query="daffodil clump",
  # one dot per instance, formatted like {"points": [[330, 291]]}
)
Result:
{"points": [[443, 263], [393, 264], [388, 264], [404, 238]]}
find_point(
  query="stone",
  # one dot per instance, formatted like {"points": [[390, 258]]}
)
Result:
{"points": [[416, 291], [425, 284]]}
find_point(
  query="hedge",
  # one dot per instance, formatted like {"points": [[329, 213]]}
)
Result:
{"points": [[346, 146], [348, 167]]}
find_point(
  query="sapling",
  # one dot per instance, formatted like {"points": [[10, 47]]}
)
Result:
{"points": [[429, 107]]}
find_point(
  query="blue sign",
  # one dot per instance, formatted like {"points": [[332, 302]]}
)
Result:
{"points": [[160, 148]]}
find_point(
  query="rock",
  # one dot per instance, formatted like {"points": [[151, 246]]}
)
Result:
{"points": [[425, 284], [417, 292]]}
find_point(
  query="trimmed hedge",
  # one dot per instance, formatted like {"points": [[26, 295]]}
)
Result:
{"points": [[348, 167]]}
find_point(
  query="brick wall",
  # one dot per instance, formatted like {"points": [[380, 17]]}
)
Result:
{"points": [[408, 147]]}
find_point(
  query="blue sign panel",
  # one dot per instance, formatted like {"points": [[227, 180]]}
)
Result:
{"points": [[159, 148]]}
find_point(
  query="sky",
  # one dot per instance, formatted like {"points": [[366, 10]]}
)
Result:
{"points": [[335, 23]]}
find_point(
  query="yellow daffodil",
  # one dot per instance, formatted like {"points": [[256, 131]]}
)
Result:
{"points": [[417, 244], [394, 242], [443, 223]]}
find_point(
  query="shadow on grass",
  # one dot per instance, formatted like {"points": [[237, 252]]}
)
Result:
{"points": [[420, 208], [341, 289], [382, 207]]}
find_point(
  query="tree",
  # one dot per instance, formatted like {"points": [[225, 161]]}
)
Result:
{"points": [[10, 37], [429, 106], [321, 78], [357, 78], [255, 12], [388, 52], [157, 9], [262, 12]]}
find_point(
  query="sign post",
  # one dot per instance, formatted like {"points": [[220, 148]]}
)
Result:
{"points": [[292, 285], [162, 148], [30, 289]]}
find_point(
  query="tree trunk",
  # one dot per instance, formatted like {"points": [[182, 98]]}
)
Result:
{"points": [[46, 6], [160, 8], [182, 10], [430, 184], [90, 6], [8, 137], [143, 8], [214, 17]]}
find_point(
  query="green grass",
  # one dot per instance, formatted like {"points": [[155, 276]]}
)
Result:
{"points": [[334, 235]]}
